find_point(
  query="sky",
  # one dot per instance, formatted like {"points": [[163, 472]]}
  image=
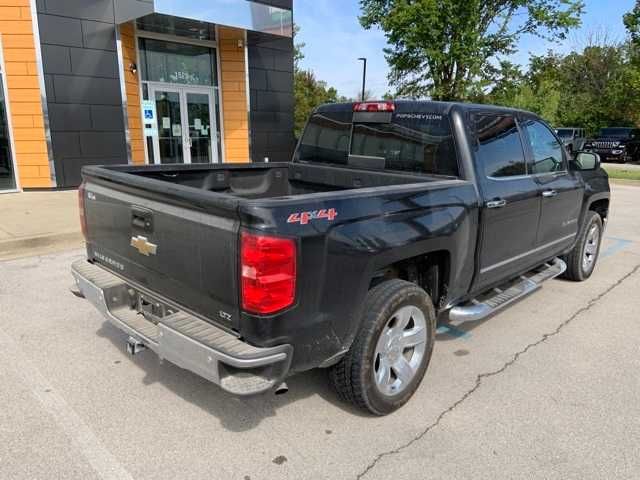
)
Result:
{"points": [[334, 40]]}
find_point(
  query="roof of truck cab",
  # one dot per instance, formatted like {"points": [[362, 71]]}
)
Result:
{"points": [[443, 108]]}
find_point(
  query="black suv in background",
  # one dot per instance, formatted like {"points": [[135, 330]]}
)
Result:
{"points": [[616, 145]]}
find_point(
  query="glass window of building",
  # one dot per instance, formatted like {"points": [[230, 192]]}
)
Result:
{"points": [[7, 174], [180, 27], [177, 63]]}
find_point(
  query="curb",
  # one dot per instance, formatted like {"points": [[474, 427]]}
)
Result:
{"points": [[31, 246], [624, 181]]}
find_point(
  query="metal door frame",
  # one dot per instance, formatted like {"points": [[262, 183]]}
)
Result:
{"points": [[183, 91]]}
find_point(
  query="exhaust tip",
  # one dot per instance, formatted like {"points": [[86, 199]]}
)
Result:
{"points": [[281, 389]]}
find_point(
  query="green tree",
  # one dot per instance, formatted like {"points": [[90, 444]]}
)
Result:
{"points": [[632, 22], [444, 48], [309, 93], [594, 88]]}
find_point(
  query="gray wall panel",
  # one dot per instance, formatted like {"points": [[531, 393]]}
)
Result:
{"points": [[98, 35], [96, 63], [106, 118], [66, 144], [87, 90], [71, 117], [103, 144], [271, 93], [99, 10], [56, 59], [60, 30], [82, 84]]}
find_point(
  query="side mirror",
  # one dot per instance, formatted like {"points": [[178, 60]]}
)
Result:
{"points": [[586, 161]]}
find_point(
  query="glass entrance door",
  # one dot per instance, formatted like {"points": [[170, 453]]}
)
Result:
{"points": [[169, 148], [185, 125], [199, 127]]}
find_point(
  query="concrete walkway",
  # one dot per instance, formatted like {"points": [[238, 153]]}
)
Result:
{"points": [[35, 223]]}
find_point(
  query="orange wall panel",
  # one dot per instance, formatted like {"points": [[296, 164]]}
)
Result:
{"points": [[234, 94], [132, 87], [23, 95]]}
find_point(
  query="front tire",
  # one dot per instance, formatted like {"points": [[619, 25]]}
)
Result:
{"points": [[391, 352], [581, 261]]}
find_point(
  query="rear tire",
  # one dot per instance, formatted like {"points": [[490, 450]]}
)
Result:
{"points": [[581, 261], [390, 354]]}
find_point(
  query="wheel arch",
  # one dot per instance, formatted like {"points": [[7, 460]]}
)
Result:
{"points": [[601, 207], [431, 271]]}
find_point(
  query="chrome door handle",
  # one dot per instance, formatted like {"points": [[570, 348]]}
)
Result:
{"points": [[549, 193], [497, 203]]}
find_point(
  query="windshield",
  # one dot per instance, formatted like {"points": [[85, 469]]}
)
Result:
{"points": [[413, 142], [616, 132], [565, 133]]}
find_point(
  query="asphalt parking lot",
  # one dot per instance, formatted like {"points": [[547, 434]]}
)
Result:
{"points": [[548, 389]]}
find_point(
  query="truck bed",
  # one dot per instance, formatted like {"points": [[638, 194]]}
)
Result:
{"points": [[256, 181]]}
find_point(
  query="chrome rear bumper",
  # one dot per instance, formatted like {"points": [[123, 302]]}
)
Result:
{"points": [[185, 340]]}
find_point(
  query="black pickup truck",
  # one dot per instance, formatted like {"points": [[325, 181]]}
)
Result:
{"points": [[391, 217], [619, 144]]}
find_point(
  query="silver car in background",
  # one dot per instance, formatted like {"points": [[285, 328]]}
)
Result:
{"points": [[572, 138]]}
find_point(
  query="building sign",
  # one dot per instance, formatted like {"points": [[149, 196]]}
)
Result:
{"points": [[149, 118]]}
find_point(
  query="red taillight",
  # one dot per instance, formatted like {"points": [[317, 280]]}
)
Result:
{"points": [[374, 107], [83, 217], [268, 278]]}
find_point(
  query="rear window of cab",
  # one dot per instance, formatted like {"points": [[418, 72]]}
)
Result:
{"points": [[413, 142]]}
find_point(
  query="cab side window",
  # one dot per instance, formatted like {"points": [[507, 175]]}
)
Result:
{"points": [[546, 149], [499, 147]]}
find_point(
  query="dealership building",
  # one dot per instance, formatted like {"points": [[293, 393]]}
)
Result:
{"points": [[97, 82]]}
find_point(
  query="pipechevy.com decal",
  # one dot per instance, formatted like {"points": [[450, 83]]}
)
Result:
{"points": [[303, 218]]}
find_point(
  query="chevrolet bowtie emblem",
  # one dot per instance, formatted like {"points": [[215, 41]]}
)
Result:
{"points": [[144, 246]]}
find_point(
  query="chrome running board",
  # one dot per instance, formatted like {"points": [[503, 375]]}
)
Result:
{"points": [[496, 299]]}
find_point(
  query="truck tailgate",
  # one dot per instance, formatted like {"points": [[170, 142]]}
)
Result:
{"points": [[177, 251]]}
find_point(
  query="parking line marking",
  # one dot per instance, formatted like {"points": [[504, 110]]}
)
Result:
{"points": [[619, 245], [453, 331], [81, 436]]}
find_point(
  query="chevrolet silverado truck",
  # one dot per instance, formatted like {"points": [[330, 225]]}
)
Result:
{"points": [[619, 144], [390, 217]]}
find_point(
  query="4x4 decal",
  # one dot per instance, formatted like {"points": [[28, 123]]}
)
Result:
{"points": [[303, 218]]}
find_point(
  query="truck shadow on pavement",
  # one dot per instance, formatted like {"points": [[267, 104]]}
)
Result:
{"points": [[236, 414], [449, 332]]}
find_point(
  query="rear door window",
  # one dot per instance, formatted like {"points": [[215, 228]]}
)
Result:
{"points": [[500, 152]]}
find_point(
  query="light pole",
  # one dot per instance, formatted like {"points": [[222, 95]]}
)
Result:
{"points": [[364, 76]]}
